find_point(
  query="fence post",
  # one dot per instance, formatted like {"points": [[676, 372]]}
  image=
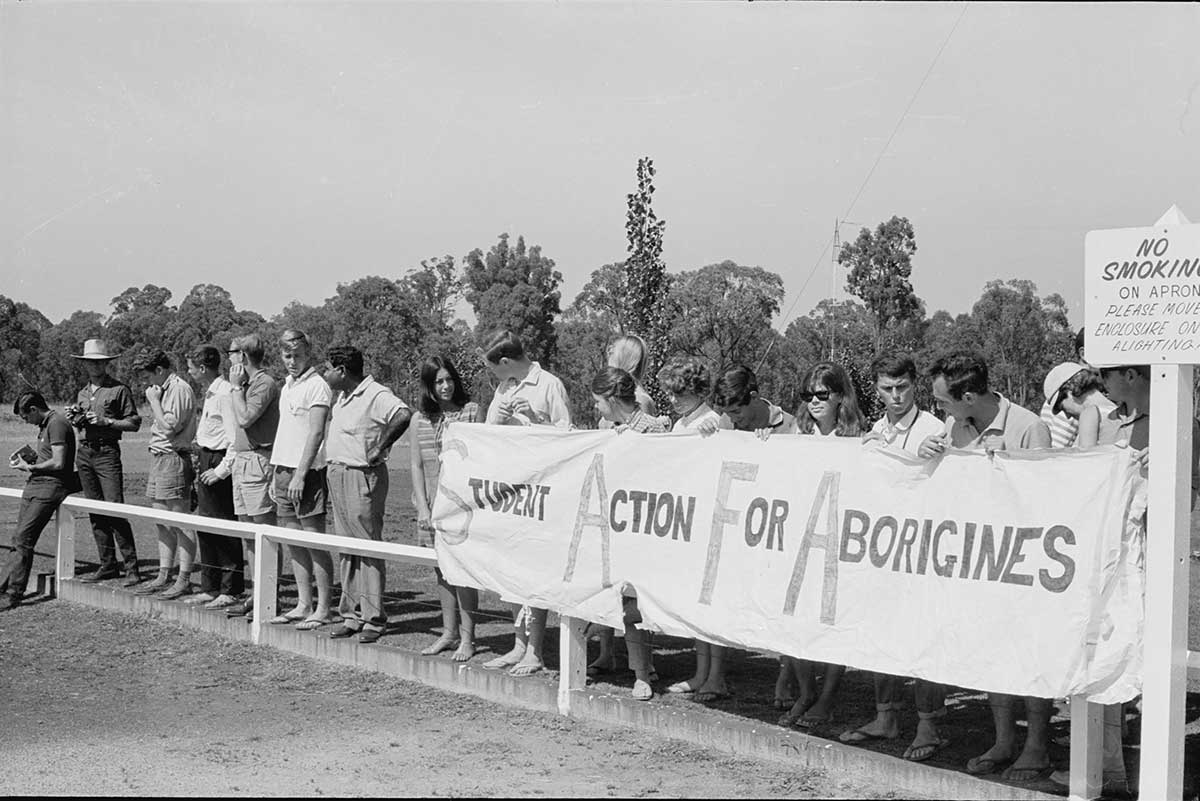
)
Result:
{"points": [[64, 559], [1168, 519], [266, 579], [572, 660], [1087, 737]]}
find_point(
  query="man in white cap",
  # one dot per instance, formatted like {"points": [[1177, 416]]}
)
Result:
{"points": [[103, 411]]}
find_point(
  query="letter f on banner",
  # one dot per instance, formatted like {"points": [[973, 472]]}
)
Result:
{"points": [[722, 516], [595, 475], [826, 492]]}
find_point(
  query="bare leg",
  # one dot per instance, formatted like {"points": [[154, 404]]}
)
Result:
{"points": [[449, 603], [302, 570], [520, 622], [785, 687], [703, 659], [468, 606], [1003, 750], [714, 684], [532, 661], [822, 710], [322, 569], [1034, 759], [931, 706], [805, 678], [605, 660], [886, 725], [637, 642]]}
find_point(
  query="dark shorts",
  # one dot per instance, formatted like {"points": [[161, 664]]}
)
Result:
{"points": [[312, 500], [170, 477]]}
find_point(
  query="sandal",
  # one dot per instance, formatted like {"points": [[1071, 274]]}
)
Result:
{"points": [[283, 620], [308, 624]]}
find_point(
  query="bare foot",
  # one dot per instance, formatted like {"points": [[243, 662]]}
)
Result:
{"points": [[1030, 765], [508, 660], [527, 666], [790, 717], [465, 651], [885, 726], [443, 643], [785, 689], [989, 761]]}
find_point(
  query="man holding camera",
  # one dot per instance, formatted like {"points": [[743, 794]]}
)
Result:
{"points": [[103, 411]]}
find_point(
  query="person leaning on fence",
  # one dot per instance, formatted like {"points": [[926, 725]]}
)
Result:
{"points": [[222, 575], [828, 408], [904, 426], [105, 409], [978, 418], [169, 483], [527, 395], [614, 393], [444, 400], [688, 383], [365, 420], [51, 479], [628, 353], [299, 479], [736, 398], [1126, 425], [255, 400]]}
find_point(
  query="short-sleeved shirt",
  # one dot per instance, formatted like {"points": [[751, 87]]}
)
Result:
{"points": [[1063, 427], [262, 407], [217, 429], [910, 430], [111, 399], [1013, 428], [298, 396], [546, 395], [55, 430], [178, 429], [644, 401], [699, 415], [357, 421], [429, 431]]}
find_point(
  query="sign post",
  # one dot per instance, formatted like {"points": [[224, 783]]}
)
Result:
{"points": [[1142, 288]]}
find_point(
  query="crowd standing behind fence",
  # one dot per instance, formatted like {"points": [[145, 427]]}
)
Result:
{"points": [[267, 454]]}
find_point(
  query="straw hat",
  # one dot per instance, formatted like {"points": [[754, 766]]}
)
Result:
{"points": [[96, 350]]}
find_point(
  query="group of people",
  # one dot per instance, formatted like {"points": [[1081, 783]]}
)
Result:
{"points": [[260, 451]]}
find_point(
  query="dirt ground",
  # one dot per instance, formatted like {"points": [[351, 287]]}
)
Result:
{"points": [[414, 622], [100, 703]]}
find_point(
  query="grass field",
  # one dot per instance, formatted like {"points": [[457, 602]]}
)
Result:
{"points": [[414, 622]]}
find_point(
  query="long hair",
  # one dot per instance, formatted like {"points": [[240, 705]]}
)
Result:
{"points": [[628, 352], [429, 372], [833, 377]]}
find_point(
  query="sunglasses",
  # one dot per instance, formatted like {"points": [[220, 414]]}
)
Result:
{"points": [[821, 395]]}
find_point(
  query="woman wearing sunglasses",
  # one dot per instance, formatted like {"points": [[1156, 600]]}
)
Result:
{"points": [[829, 408]]}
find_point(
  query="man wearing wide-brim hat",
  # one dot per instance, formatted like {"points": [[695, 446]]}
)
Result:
{"points": [[103, 411]]}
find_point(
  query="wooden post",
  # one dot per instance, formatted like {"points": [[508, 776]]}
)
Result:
{"points": [[1087, 738], [266, 580], [1164, 679], [572, 660], [64, 559]]}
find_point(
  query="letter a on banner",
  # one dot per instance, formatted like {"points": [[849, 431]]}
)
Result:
{"points": [[594, 477], [827, 492]]}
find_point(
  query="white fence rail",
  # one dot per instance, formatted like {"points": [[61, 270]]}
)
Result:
{"points": [[265, 542]]}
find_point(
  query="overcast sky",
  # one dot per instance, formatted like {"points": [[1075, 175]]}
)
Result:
{"points": [[277, 149]]}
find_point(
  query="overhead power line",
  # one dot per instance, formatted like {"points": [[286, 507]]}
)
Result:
{"points": [[870, 173]]}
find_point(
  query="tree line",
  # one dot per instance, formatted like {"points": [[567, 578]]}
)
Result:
{"points": [[724, 312]]}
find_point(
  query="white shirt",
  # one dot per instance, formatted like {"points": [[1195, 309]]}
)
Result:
{"points": [[546, 395], [296, 398], [910, 430], [217, 428], [357, 421], [699, 415]]}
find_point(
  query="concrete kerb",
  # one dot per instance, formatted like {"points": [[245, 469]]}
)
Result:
{"points": [[706, 727]]}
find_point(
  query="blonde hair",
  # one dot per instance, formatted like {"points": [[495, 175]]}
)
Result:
{"points": [[628, 353]]}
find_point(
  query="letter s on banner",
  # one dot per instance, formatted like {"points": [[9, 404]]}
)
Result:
{"points": [[460, 536]]}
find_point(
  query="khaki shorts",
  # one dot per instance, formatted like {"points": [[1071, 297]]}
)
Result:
{"points": [[312, 500], [170, 477], [252, 483]]}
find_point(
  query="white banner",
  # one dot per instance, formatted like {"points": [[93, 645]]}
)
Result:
{"points": [[1015, 573]]}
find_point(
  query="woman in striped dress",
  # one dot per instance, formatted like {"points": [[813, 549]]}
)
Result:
{"points": [[444, 400]]}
